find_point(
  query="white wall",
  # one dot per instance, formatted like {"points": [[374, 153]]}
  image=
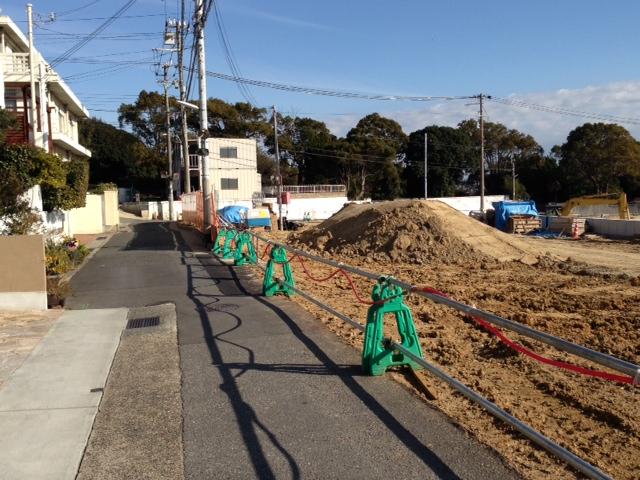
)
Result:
{"points": [[243, 168], [319, 208], [614, 228], [471, 203]]}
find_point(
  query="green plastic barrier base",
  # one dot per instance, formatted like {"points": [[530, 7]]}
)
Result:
{"points": [[377, 354], [228, 251], [270, 286], [245, 240], [220, 240]]}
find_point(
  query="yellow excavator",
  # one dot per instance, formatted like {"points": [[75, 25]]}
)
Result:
{"points": [[607, 199]]}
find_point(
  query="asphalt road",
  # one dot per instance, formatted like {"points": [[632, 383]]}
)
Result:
{"points": [[268, 391]]}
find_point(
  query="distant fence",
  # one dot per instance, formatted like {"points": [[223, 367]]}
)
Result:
{"points": [[193, 211], [305, 189]]}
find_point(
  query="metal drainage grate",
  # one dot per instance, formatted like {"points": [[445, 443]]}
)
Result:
{"points": [[143, 322]]}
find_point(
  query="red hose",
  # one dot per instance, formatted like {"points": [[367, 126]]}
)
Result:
{"points": [[525, 351]]}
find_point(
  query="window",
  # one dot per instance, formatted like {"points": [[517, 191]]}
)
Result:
{"points": [[229, 152], [228, 184]]}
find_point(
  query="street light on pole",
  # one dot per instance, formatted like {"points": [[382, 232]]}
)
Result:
{"points": [[188, 105]]}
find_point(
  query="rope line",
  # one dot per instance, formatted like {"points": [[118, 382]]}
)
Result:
{"points": [[352, 284], [525, 351]]}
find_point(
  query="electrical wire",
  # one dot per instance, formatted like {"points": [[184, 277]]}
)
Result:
{"points": [[67, 12], [97, 18], [333, 93], [61, 58], [229, 55], [565, 111]]}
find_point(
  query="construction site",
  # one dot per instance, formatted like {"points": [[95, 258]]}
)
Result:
{"points": [[585, 291]]}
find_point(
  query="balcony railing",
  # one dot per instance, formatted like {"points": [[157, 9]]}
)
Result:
{"points": [[16, 63], [194, 162]]}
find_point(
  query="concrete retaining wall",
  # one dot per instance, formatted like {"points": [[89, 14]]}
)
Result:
{"points": [[23, 283], [87, 219], [614, 228], [607, 227], [110, 215]]}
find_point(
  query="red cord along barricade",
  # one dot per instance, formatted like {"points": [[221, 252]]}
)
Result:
{"points": [[352, 284], [483, 323], [525, 351], [338, 271]]}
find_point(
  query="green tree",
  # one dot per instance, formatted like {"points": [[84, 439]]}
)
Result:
{"points": [[239, 120], [146, 117], [595, 157], [310, 147], [375, 152], [63, 184], [452, 159], [121, 158], [504, 147], [7, 121]]}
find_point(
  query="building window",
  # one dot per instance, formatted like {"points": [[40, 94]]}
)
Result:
{"points": [[228, 184], [228, 152]]}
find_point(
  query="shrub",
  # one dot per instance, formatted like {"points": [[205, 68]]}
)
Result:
{"points": [[78, 254], [62, 257], [103, 187], [57, 259], [20, 219]]}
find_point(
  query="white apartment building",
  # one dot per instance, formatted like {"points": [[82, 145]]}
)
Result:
{"points": [[234, 170], [57, 107]]}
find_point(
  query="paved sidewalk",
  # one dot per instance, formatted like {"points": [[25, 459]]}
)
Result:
{"points": [[47, 406], [267, 390]]}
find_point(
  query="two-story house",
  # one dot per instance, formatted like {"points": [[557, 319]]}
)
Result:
{"points": [[57, 107], [233, 170]]}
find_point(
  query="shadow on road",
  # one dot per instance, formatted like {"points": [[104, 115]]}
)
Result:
{"points": [[231, 285]]}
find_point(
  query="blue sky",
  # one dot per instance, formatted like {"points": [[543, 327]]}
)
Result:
{"points": [[580, 55]]}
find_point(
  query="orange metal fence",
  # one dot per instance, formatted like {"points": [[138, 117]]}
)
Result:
{"points": [[193, 211]]}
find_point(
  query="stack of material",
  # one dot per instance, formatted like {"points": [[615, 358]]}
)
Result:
{"points": [[566, 225], [522, 224]]}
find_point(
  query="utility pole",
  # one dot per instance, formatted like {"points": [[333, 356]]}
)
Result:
{"points": [[32, 75], [426, 152], [513, 179], [204, 123], [180, 33], [278, 176], [481, 98], [165, 84]]}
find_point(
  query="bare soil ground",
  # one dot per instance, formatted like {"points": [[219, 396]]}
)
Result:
{"points": [[618, 255], [596, 304], [20, 332]]}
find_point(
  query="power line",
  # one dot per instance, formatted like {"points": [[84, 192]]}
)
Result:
{"points": [[67, 12], [97, 18], [333, 93], [565, 111], [61, 58], [229, 56]]}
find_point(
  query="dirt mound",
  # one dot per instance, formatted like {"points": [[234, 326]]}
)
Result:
{"points": [[415, 230]]}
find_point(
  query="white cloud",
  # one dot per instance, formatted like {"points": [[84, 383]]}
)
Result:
{"points": [[295, 22], [621, 99]]}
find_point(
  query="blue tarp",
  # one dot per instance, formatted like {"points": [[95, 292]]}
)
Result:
{"points": [[234, 213], [505, 209]]}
